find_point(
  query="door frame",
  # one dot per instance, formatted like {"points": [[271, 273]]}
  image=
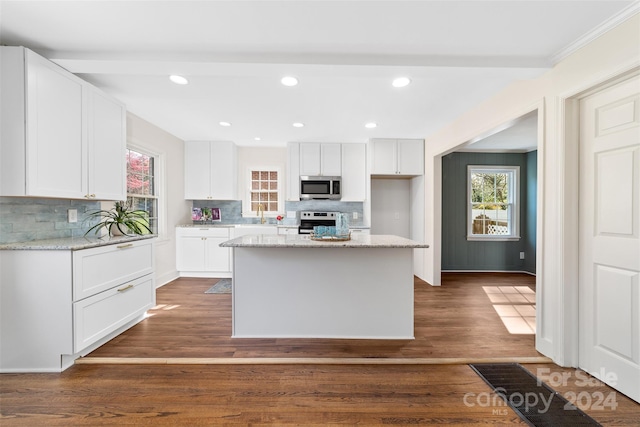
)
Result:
{"points": [[568, 120]]}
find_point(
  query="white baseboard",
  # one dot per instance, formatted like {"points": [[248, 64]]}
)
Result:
{"points": [[166, 278]]}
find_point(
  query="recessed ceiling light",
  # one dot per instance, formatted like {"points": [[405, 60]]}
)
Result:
{"points": [[257, 138], [225, 124], [371, 125], [401, 82], [298, 125], [179, 80], [289, 81]]}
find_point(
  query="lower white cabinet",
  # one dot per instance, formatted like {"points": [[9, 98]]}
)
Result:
{"points": [[96, 316], [198, 253], [59, 304]]}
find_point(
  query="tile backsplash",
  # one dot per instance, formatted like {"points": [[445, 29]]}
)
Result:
{"points": [[231, 210], [24, 219]]}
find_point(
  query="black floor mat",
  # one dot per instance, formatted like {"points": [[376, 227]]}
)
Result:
{"points": [[535, 402]]}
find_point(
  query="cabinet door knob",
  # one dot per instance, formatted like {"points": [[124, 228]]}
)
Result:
{"points": [[128, 245], [126, 288]]}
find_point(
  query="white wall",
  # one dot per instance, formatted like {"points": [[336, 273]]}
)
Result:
{"points": [[177, 209], [390, 207], [610, 55]]}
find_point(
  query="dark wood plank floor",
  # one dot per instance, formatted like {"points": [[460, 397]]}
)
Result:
{"points": [[455, 320], [287, 394]]}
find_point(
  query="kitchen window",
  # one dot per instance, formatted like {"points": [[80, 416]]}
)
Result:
{"points": [[142, 180], [493, 211], [264, 189]]}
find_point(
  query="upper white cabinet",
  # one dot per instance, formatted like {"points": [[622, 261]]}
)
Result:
{"points": [[354, 172], [397, 157], [320, 159], [293, 171], [210, 170], [107, 141], [61, 137]]}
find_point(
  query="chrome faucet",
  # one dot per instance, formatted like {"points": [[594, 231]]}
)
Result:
{"points": [[261, 213]]}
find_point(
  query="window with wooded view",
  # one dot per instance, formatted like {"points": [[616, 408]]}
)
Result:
{"points": [[493, 211], [141, 185]]}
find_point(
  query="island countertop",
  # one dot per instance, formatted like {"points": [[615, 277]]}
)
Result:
{"points": [[303, 241]]}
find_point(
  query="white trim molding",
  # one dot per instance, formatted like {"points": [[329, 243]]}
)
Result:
{"points": [[596, 32]]}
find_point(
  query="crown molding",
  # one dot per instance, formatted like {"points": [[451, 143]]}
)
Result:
{"points": [[596, 32]]}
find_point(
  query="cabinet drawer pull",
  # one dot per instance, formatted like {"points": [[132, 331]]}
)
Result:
{"points": [[125, 288], [128, 245]]}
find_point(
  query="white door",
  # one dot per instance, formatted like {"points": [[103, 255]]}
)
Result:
{"points": [[610, 236]]}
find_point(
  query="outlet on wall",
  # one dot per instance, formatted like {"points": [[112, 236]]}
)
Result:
{"points": [[355, 215], [72, 215], [521, 255]]}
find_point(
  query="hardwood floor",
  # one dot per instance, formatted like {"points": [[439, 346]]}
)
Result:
{"points": [[189, 323], [456, 320]]}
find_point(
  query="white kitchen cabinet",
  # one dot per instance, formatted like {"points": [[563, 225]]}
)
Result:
{"points": [[74, 301], [96, 316], [399, 157], [210, 170], [107, 142], [198, 253], [61, 137], [293, 171], [320, 159], [354, 172]]}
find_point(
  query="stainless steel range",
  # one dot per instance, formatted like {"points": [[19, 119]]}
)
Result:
{"points": [[310, 219]]}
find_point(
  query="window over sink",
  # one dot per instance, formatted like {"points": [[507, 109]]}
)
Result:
{"points": [[265, 188]]}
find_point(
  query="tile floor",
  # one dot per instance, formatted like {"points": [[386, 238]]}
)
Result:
{"points": [[516, 306]]}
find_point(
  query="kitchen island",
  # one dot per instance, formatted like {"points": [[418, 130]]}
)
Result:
{"points": [[289, 286]]}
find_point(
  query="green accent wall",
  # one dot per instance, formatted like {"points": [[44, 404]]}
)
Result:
{"points": [[460, 254]]}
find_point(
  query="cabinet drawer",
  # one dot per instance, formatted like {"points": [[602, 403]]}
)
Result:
{"points": [[97, 316], [98, 269], [202, 232]]}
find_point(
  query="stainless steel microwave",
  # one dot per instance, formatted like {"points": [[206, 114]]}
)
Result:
{"points": [[320, 188]]}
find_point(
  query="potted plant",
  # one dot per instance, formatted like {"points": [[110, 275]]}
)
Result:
{"points": [[121, 220]]}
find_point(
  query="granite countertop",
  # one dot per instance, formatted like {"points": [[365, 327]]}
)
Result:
{"points": [[73, 243], [303, 241]]}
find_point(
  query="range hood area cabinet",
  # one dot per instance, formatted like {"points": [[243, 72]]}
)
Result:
{"points": [[346, 160], [210, 170], [397, 157], [293, 172], [61, 137], [320, 159]]}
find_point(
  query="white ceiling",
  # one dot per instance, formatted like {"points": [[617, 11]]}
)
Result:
{"points": [[344, 53], [521, 136]]}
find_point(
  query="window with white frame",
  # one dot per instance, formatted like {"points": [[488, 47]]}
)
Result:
{"points": [[264, 189], [493, 211], [142, 188]]}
